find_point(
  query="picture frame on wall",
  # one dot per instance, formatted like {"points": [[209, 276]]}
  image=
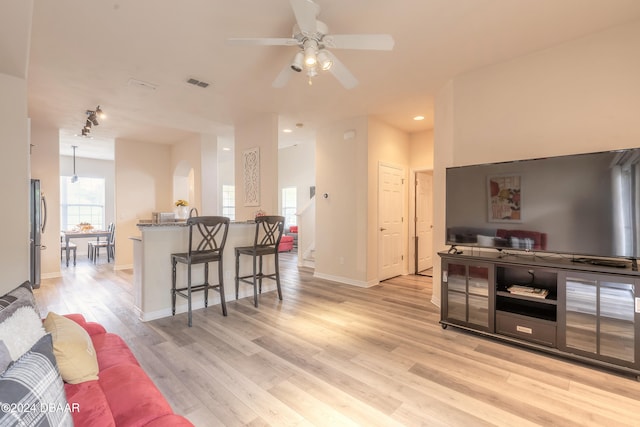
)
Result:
{"points": [[251, 176], [504, 193]]}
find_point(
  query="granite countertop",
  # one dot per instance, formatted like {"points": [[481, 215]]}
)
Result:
{"points": [[179, 223]]}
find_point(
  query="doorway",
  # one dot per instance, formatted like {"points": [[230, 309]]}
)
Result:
{"points": [[423, 235]]}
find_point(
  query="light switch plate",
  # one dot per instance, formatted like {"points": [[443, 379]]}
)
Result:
{"points": [[637, 305]]}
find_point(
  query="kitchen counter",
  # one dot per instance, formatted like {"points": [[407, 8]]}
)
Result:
{"points": [[152, 268]]}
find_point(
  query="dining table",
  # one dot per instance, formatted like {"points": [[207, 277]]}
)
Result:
{"points": [[81, 234]]}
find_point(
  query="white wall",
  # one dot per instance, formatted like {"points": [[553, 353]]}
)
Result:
{"points": [[14, 169], [421, 150], [260, 132], [577, 97], [44, 166], [341, 218], [143, 186]]}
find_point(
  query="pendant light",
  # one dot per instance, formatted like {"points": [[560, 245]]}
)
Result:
{"points": [[74, 178]]}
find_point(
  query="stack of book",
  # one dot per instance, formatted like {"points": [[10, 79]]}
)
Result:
{"points": [[528, 291]]}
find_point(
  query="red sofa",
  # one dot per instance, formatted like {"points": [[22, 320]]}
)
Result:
{"points": [[286, 244], [123, 395]]}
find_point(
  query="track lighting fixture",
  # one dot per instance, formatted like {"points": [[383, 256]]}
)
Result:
{"points": [[92, 116], [85, 132]]}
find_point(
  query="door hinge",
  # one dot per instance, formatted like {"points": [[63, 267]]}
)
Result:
{"points": [[402, 257]]}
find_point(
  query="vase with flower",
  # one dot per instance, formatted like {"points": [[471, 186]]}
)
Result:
{"points": [[182, 209]]}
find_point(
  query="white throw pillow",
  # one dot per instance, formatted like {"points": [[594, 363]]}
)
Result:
{"points": [[21, 330]]}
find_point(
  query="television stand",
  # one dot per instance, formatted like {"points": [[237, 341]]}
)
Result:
{"points": [[547, 304]]}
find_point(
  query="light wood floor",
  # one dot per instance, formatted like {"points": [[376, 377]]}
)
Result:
{"points": [[333, 355]]}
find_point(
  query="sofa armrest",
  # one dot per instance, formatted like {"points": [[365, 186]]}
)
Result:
{"points": [[92, 328]]}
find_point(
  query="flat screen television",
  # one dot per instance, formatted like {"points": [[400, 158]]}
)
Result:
{"points": [[583, 204]]}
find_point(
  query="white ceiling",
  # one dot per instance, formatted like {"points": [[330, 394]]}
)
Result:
{"points": [[85, 53]]}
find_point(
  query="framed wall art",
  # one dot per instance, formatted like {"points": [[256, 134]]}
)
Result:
{"points": [[251, 174]]}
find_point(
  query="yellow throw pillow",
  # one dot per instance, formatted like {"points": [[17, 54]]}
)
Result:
{"points": [[72, 346]]}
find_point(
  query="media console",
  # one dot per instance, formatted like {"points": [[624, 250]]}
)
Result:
{"points": [[584, 311]]}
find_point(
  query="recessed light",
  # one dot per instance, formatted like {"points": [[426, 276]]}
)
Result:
{"points": [[287, 130], [418, 118]]}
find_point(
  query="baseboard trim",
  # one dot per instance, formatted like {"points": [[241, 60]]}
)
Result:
{"points": [[346, 280], [197, 302]]}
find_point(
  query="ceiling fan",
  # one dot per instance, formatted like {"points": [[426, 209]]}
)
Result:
{"points": [[311, 37]]}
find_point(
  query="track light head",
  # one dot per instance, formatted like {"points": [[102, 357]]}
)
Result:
{"points": [[85, 131], [100, 113], [91, 116]]}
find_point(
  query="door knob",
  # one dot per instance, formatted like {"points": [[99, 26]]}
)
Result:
{"points": [[382, 229]]}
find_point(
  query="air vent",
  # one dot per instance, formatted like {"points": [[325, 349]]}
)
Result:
{"points": [[197, 82]]}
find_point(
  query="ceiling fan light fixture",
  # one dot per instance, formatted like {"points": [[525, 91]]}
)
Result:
{"points": [[324, 60], [310, 59], [296, 64]]}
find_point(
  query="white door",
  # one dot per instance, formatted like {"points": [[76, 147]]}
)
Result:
{"points": [[390, 221], [424, 220]]}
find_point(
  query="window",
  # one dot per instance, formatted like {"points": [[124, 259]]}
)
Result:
{"points": [[229, 201], [82, 201], [289, 206]]}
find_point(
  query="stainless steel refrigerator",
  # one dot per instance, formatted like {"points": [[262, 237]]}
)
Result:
{"points": [[38, 221]]}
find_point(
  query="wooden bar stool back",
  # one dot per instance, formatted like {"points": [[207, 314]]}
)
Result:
{"points": [[267, 238], [207, 237]]}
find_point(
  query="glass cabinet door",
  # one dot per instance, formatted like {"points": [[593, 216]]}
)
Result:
{"points": [[467, 293], [582, 314], [600, 316], [617, 313]]}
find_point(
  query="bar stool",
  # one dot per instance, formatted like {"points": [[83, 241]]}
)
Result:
{"points": [[268, 234], [207, 237]]}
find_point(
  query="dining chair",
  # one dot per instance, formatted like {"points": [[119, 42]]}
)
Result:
{"points": [[108, 244], [63, 249], [268, 233], [207, 237]]}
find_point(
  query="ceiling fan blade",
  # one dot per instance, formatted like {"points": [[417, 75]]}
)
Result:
{"points": [[264, 41], [342, 73], [359, 41], [306, 13], [283, 77]]}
